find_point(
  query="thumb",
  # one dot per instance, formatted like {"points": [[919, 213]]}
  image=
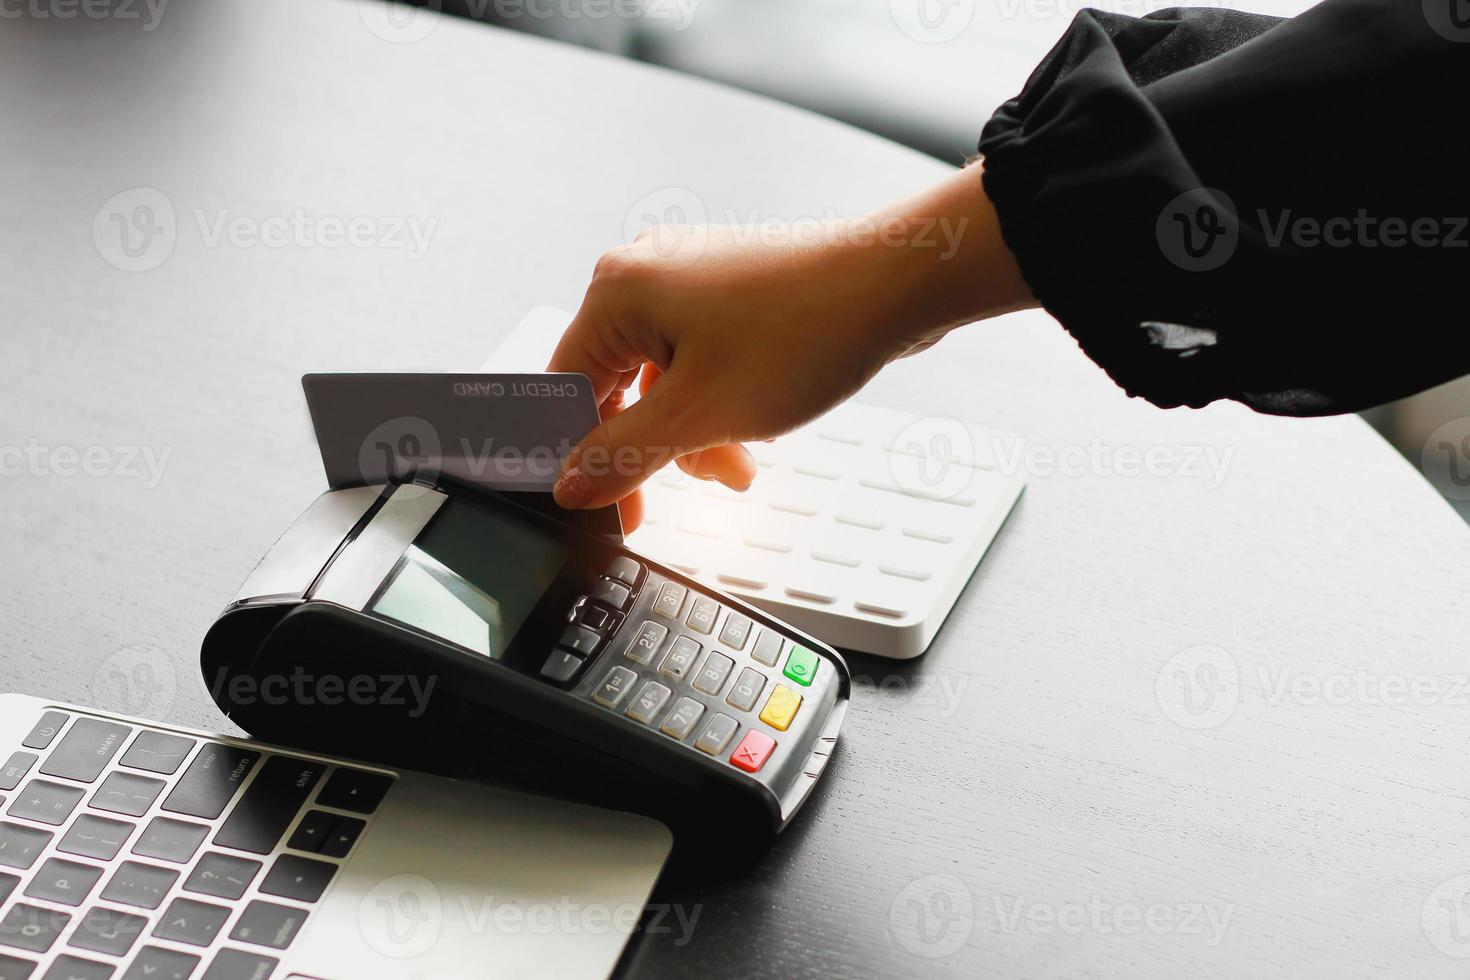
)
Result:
{"points": [[629, 447]]}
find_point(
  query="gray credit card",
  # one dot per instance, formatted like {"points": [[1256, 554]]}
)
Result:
{"points": [[507, 432]]}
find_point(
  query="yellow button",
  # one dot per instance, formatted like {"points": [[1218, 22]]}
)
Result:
{"points": [[781, 708]]}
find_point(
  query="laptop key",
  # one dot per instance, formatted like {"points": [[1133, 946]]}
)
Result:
{"points": [[297, 878], [95, 837], [355, 790], [21, 846], [311, 833], [40, 737], [344, 834], [157, 963], [267, 924], [7, 886], [46, 802], [126, 793], [32, 928], [211, 781], [76, 968], [15, 968], [234, 964], [270, 804], [157, 752], [16, 768], [222, 875], [188, 921], [143, 886], [170, 840], [64, 882], [86, 749], [109, 931]]}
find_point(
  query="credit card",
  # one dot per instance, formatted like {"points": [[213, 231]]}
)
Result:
{"points": [[506, 432]]}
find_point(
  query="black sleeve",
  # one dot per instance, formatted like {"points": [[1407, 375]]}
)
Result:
{"points": [[1226, 205]]}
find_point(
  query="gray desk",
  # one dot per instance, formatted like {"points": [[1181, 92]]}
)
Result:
{"points": [[1019, 802]]}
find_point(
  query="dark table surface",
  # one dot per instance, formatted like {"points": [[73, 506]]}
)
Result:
{"points": [[1043, 793]]}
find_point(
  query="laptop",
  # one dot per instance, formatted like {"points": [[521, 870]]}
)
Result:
{"points": [[135, 850]]}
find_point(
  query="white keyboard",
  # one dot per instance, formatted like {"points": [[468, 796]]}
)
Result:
{"points": [[861, 528]]}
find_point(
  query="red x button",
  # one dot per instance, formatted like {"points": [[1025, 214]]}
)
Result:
{"points": [[753, 751]]}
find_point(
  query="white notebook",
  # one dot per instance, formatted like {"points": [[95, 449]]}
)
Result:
{"points": [[861, 528]]}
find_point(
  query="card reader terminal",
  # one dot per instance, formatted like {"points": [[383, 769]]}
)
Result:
{"points": [[539, 645]]}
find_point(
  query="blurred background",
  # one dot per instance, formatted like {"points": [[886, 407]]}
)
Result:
{"points": [[925, 73]]}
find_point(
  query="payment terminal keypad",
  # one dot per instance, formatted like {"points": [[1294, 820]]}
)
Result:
{"points": [[681, 663]]}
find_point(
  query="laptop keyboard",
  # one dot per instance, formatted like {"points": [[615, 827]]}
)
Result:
{"points": [[145, 855]]}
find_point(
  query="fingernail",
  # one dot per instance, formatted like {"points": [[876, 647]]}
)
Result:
{"points": [[573, 490], [734, 485]]}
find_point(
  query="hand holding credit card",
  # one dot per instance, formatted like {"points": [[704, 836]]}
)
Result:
{"points": [[505, 432]]}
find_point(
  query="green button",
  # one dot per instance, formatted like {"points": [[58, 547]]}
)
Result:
{"points": [[801, 666]]}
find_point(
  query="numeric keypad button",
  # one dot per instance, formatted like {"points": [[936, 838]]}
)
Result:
{"points": [[712, 676], [646, 642]]}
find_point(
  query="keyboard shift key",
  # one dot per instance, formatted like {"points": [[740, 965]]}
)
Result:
{"points": [[143, 886], [298, 878], [109, 931], [95, 837], [355, 790], [234, 964], [16, 768], [191, 922], [32, 928], [64, 882], [170, 840], [69, 967], [211, 781], [222, 875], [157, 963], [46, 802], [86, 749], [268, 924], [157, 752], [20, 846], [127, 793]]}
